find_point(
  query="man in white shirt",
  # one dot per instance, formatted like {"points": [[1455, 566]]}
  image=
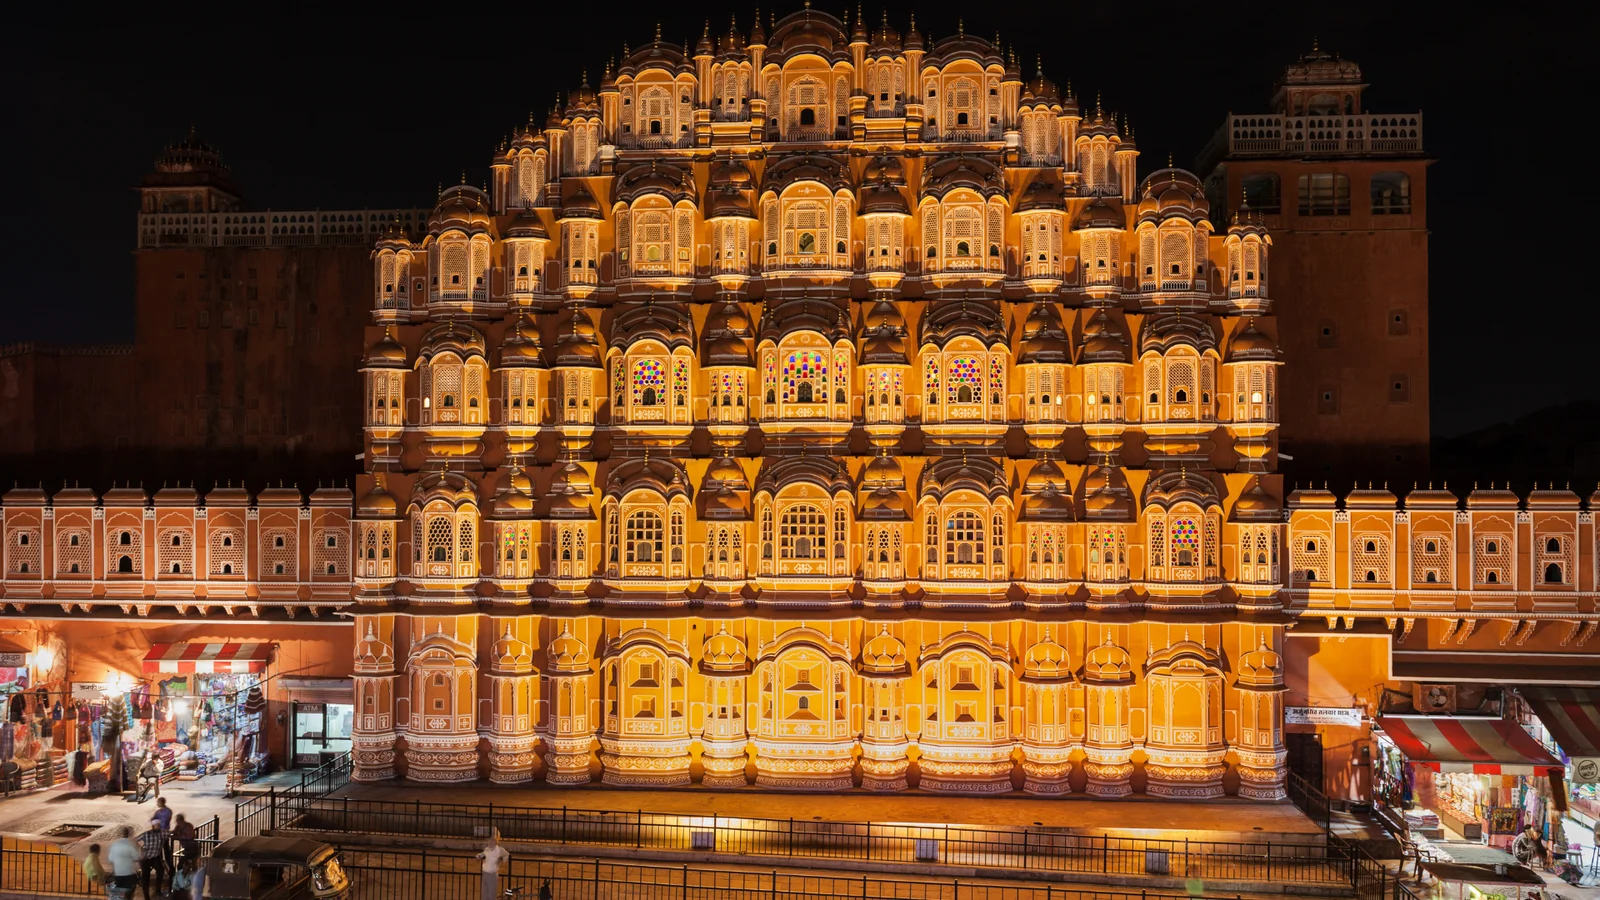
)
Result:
{"points": [[495, 860], [124, 859]]}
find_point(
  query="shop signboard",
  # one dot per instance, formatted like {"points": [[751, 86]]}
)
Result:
{"points": [[1322, 715], [10, 660], [90, 690], [1584, 770]]}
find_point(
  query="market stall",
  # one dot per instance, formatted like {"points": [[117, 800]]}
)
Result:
{"points": [[1480, 777], [204, 702]]}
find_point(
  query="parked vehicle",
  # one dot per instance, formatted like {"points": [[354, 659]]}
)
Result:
{"points": [[274, 868]]}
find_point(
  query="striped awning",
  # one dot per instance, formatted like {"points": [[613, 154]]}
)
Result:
{"points": [[1571, 715], [208, 659], [1484, 746]]}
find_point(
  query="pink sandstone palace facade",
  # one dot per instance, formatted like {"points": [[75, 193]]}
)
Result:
{"points": [[821, 406]]}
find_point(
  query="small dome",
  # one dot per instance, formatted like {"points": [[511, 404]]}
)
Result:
{"points": [[884, 504], [728, 202], [516, 495], [386, 352], [884, 654], [1046, 661], [1045, 473], [1103, 341], [1255, 503], [567, 653], [724, 654], [656, 177], [376, 503], [725, 471], [883, 335], [1164, 331], [1044, 337], [462, 207], [1173, 193], [731, 173], [570, 491], [521, 349], [883, 198], [1321, 67], [1040, 90], [1174, 486], [1106, 496], [578, 347], [581, 205], [1043, 193], [1108, 664], [883, 471], [727, 338], [1098, 214], [1261, 667], [527, 224], [1249, 344]]}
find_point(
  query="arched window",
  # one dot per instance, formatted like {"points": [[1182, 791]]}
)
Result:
{"points": [[1391, 194], [1552, 545], [802, 532], [1552, 574], [964, 539], [1261, 192], [125, 539], [644, 539], [124, 565], [808, 116]]}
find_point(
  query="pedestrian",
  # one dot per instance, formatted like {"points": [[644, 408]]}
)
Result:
{"points": [[182, 880], [544, 891], [124, 859], [94, 867], [162, 817], [152, 860], [183, 834], [495, 858], [197, 888]]}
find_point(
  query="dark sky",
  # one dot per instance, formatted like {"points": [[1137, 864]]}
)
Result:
{"points": [[376, 108]]}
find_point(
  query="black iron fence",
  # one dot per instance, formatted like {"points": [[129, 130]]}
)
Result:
{"points": [[435, 876], [39, 868], [1034, 850], [260, 813]]}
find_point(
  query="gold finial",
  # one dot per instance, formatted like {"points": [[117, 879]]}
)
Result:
{"points": [[961, 27], [1314, 47], [658, 32]]}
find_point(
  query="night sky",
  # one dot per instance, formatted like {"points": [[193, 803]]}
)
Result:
{"points": [[375, 110]]}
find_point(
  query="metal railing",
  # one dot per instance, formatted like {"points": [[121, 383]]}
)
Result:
{"points": [[1366, 871], [1031, 850], [1361, 133], [435, 876], [275, 228], [261, 812], [40, 868]]}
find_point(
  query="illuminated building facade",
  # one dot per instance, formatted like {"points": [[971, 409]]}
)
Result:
{"points": [[823, 406]]}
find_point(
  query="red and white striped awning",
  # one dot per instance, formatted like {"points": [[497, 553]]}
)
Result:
{"points": [[208, 659], [1571, 715], [1483, 746]]}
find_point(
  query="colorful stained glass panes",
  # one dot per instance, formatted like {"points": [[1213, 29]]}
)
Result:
{"points": [[1185, 535], [965, 380], [649, 382], [804, 367]]}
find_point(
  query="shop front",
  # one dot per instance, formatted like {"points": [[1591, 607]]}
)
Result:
{"points": [[1567, 721], [204, 702], [1478, 779]]}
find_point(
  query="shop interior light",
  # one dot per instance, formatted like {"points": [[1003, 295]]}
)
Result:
{"points": [[44, 658]]}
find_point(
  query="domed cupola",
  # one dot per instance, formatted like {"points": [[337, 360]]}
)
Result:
{"points": [[732, 44], [520, 349], [580, 204], [885, 167], [883, 485], [665, 323], [1104, 341], [723, 490], [1042, 194], [569, 493], [885, 39], [727, 338], [654, 177], [724, 654], [376, 503], [1108, 664], [567, 655], [1250, 344], [884, 656], [883, 335], [1106, 496], [963, 317], [1256, 505], [1044, 337], [1040, 91], [386, 353], [725, 472], [1046, 495], [1098, 213], [578, 346], [1173, 194], [1046, 662], [510, 653], [1162, 333], [463, 208], [515, 497]]}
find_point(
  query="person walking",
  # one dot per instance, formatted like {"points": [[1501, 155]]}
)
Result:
{"points": [[124, 859], [184, 836], [94, 867], [162, 817], [495, 859], [152, 860]]}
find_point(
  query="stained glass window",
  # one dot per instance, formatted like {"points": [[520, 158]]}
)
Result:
{"points": [[965, 381], [1185, 542], [805, 377], [649, 382], [680, 381], [932, 381], [997, 379]]}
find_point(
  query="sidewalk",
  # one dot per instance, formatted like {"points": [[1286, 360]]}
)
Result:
{"points": [[33, 814]]}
